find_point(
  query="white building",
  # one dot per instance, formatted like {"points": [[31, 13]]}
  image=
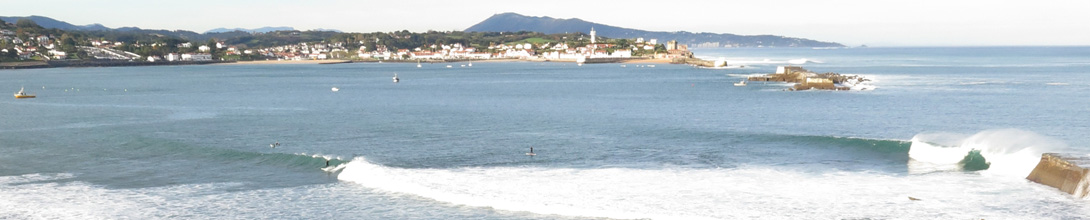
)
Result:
{"points": [[474, 55], [622, 53], [197, 57], [60, 55], [173, 57], [519, 53], [204, 48]]}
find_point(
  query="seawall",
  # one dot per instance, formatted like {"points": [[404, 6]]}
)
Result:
{"points": [[1065, 172]]}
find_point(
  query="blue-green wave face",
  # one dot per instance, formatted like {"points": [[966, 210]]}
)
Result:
{"points": [[974, 162], [133, 161]]}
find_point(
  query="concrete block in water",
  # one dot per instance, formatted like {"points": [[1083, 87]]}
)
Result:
{"points": [[1065, 172]]}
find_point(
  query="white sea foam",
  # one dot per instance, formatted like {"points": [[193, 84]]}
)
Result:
{"points": [[858, 85], [32, 196], [678, 193], [1011, 152], [802, 61], [744, 75]]}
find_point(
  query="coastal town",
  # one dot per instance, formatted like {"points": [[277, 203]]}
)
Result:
{"points": [[21, 42], [23, 45]]}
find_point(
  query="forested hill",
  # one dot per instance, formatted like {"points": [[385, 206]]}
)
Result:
{"points": [[508, 22]]}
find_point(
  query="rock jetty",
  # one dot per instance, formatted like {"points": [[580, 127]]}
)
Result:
{"points": [[806, 80], [1065, 172]]}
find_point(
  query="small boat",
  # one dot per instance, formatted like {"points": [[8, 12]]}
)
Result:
{"points": [[23, 95], [395, 78], [471, 64], [335, 89], [418, 64], [740, 83], [449, 66]]}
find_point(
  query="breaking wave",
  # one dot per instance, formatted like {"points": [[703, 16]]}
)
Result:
{"points": [[1007, 152]]}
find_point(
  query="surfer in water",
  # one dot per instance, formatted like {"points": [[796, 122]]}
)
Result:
{"points": [[531, 152]]}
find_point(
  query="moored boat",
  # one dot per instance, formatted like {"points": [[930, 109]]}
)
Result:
{"points": [[23, 95]]}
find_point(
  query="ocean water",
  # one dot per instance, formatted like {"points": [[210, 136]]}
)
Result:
{"points": [[612, 141]]}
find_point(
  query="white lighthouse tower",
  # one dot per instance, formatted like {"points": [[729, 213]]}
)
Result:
{"points": [[592, 33]]}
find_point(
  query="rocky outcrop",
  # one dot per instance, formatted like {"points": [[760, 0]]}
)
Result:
{"points": [[806, 80], [1065, 172], [696, 62]]}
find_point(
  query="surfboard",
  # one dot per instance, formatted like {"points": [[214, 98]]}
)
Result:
{"points": [[531, 154]]}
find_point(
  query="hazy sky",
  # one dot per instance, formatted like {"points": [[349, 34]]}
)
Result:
{"points": [[852, 22]]}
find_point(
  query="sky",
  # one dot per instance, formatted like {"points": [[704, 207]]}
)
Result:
{"points": [[851, 22]]}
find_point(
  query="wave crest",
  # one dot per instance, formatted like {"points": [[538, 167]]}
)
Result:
{"points": [[1008, 152]]}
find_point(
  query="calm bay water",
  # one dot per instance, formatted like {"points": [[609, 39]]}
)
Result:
{"points": [[612, 141]]}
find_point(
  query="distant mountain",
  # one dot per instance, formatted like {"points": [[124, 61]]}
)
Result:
{"points": [[510, 22], [100, 30], [258, 30], [47, 22], [327, 30]]}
